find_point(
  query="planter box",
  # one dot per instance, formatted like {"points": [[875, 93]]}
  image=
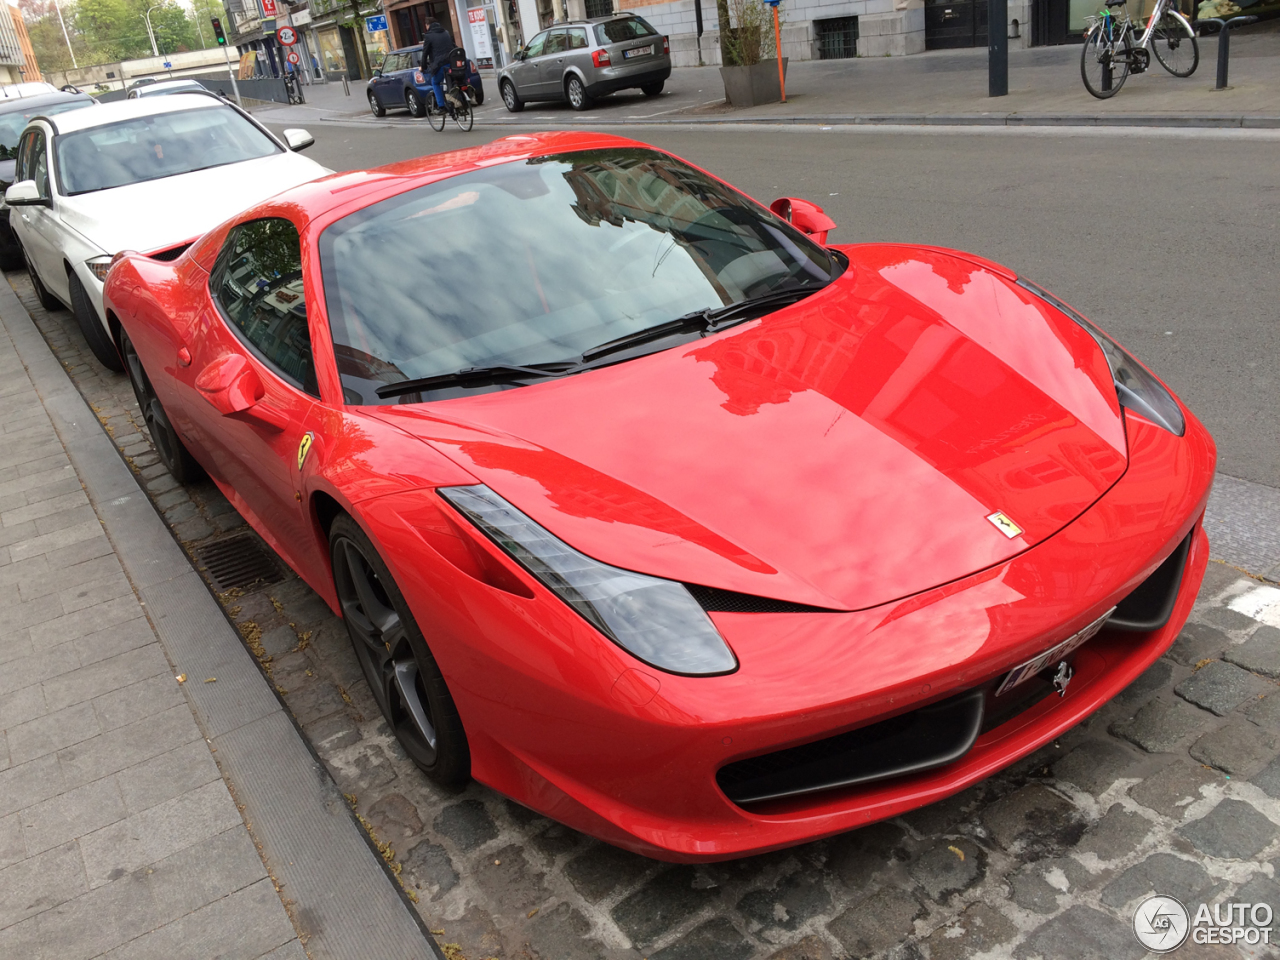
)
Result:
{"points": [[753, 85]]}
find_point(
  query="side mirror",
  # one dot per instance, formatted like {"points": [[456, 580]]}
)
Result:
{"points": [[298, 139], [377, 72], [230, 384], [804, 216], [25, 193]]}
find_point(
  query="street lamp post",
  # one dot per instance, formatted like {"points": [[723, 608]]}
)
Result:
{"points": [[155, 51], [64, 34]]}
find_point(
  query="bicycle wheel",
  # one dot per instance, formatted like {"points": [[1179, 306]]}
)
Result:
{"points": [[463, 116], [1174, 44], [1104, 64], [435, 115]]}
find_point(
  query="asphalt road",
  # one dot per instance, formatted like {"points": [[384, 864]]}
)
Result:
{"points": [[1168, 240]]}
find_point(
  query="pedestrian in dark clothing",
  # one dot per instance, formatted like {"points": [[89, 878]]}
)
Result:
{"points": [[437, 44]]}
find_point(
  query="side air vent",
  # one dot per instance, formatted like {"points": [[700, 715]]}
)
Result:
{"points": [[1150, 606], [920, 740], [726, 601], [173, 253]]}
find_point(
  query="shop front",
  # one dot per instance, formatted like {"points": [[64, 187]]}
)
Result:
{"points": [[409, 20]]}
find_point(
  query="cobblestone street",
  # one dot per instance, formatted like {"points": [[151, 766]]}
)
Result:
{"points": [[1172, 788]]}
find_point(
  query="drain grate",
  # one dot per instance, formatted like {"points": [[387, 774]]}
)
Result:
{"points": [[239, 562]]}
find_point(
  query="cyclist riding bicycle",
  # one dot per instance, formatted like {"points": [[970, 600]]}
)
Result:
{"points": [[437, 46]]}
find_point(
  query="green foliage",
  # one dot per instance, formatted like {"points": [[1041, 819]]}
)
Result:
{"points": [[105, 31], [749, 38]]}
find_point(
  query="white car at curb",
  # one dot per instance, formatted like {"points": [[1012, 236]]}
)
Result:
{"points": [[150, 175]]}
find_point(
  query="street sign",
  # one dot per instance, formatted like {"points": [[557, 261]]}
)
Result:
{"points": [[287, 36], [375, 24], [268, 9], [292, 57], [168, 65]]}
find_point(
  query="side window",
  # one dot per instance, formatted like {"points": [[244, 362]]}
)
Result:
{"points": [[40, 164], [258, 284], [577, 38], [23, 171], [555, 42], [534, 49]]}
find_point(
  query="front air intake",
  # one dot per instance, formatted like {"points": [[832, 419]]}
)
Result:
{"points": [[1150, 606]]}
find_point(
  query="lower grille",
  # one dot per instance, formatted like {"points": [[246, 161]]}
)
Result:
{"points": [[920, 740], [1150, 606]]}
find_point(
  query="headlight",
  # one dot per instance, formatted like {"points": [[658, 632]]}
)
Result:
{"points": [[100, 267], [1137, 389], [656, 620]]}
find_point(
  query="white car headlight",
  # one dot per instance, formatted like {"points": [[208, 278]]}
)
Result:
{"points": [[658, 621]]}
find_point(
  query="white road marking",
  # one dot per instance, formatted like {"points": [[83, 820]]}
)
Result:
{"points": [[1261, 603]]}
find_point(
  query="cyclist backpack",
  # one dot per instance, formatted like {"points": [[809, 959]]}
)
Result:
{"points": [[456, 65]]}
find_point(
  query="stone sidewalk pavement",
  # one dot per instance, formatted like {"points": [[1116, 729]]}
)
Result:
{"points": [[133, 824], [1172, 788]]}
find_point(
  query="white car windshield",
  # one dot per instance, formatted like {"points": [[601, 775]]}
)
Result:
{"points": [[149, 148]]}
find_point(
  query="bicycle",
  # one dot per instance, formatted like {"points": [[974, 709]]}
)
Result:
{"points": [[293, 87], [1110, 53], [460, 114]]}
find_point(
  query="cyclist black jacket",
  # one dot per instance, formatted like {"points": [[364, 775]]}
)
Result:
{"points": [[436, 47]]}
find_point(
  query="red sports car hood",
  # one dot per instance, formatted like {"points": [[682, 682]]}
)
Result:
{"points": [[842, 452]]}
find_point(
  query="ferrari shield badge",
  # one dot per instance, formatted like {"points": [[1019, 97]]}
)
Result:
{"points": [[304, 447], [998, 520]]}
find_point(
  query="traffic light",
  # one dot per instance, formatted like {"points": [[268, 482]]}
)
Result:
{"points": [[217, 32]]}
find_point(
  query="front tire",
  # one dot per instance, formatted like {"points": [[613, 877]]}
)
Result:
{"points": [[376, 105], [401, 671], [1174, 44], [95, 334], [173, 453], [510, 98], [576, 93], [1103, 66], [414, 102]]}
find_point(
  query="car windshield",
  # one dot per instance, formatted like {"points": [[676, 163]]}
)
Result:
{"points": [[164, 89], [13, 123], [163, 145], [539, 260], [620, 31]]}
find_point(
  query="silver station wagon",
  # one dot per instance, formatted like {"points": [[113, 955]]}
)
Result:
{"points": [[580, 60]]}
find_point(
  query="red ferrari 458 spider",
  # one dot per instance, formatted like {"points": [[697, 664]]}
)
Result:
{"points": [[654, 512]]}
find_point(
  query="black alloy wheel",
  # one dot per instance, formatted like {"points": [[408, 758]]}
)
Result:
{"points": [[414, 103], [47, 299], [510, 97], [173, 453], [576, 93], [95, 334], [399, 667], [376, 105]]}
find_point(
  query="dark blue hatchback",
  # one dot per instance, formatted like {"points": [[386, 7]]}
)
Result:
{"points": [[399, 83]]}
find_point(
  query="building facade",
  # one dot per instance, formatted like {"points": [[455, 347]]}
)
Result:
{"points": [[31, 68], [13, 64]]}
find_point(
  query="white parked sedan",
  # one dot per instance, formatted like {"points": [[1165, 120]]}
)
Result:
{"points": [[149, 175]]}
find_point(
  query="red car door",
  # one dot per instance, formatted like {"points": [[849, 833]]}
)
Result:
{"points": [[255, 397]]}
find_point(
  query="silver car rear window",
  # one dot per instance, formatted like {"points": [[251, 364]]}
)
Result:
{"points": [[620, 31]]}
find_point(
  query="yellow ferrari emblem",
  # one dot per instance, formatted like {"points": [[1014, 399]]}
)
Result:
{"points": [[304, 448], [1006, 526]]}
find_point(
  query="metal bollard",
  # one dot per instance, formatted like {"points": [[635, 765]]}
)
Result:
{"points": [[1224, 43], [346, 88]]}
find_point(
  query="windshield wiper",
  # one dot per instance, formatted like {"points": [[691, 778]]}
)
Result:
{"points": [[493, 373], [708, 320]]}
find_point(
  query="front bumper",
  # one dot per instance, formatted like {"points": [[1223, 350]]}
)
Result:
{"points": [[569, 725]]}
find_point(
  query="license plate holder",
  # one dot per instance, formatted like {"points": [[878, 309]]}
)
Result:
{"points": [[637, 52], [1024, 671]]}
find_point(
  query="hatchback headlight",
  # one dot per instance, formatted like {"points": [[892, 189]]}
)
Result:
{"points": [[658, 621], [1137, 389]]}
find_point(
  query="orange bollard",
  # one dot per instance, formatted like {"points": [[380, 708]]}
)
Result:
{"points": [[777, 46]]}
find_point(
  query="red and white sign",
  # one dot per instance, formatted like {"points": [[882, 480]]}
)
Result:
{"points": [[287, 36], [480, 32], [293, 57], [268, 9]]}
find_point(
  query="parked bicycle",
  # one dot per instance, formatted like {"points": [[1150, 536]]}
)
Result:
{"points": [[293, 87], [458, 96], [1113, 50]]}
